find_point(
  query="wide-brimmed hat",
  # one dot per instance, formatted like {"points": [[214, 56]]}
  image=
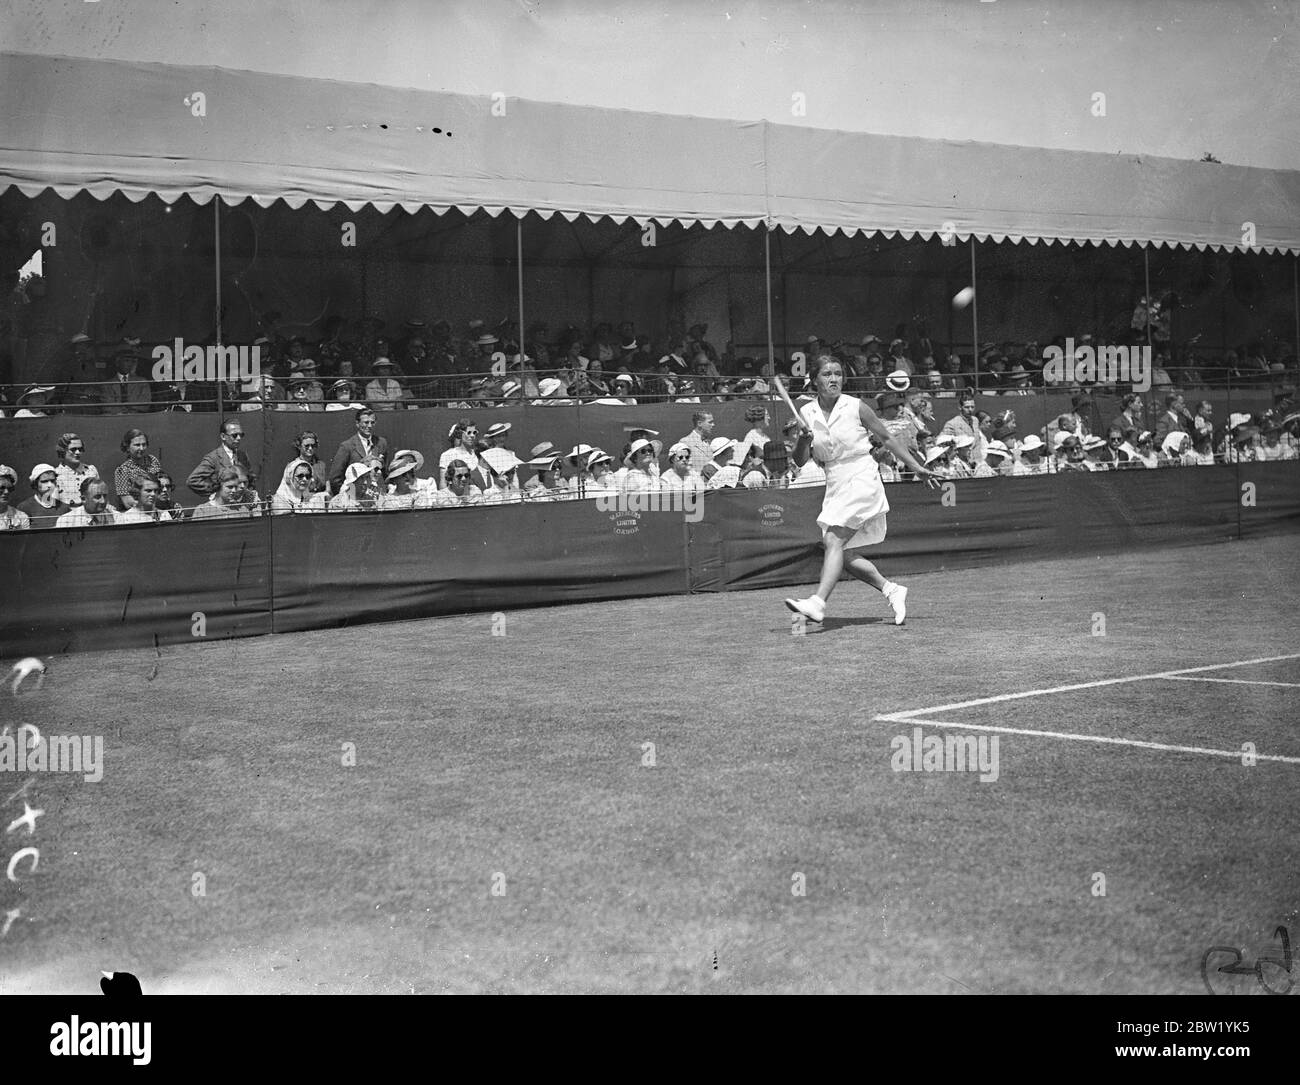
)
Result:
{"points": [[623, 378], [1092, 442], [720, 445], [580, 450], [343, 382], [1031, 443], [305, 365], [501, 460], [80, 337], [898, 381], [546, 461], [382, 361], [486, 340], [1059, 438], [36, 389], [355, 471], [1018, 372], [548, 386], [404, 460], [543, 450], [597, 456], [641, 443], [997, 448], [935, 452]]}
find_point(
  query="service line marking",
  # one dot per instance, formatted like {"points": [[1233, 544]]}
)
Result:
{"points": [[1233, 681], [915, 715], [1070, 736]]}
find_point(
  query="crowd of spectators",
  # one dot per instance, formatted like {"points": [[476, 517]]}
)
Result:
{"points": [[481, 365], [478, 467]]}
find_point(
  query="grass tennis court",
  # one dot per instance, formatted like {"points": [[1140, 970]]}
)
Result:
{"points": [[522, 755]]}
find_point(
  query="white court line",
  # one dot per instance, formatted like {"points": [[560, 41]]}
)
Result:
{"points": [[1234, 754], [899, 717], [1233, 681]]}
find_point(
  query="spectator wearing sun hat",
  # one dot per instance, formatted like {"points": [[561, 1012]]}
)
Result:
{"points": [[723, 453], [502, 468], [11, 517], [385, 391], [680, 475], [497, 434], [996, 457], [1027, 457], [547, 483], [403, 488], [343, 393], [641, 458], [44, 506], [1239, 443]]}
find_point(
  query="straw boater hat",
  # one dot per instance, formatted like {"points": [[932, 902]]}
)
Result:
{"points": [[996, 448], [579, 451], [722, 446], [36, 389], [404, 460], [898, 381]]}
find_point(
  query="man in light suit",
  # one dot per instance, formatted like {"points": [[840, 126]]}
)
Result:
{"points": [[359, 448], [229, 453]]}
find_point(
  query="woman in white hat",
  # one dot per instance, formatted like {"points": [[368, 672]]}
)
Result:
{"points": [[1176, 442], [464, 442], [547, 483], [386, 392], [836, 429], [360, 489], [11, 519], [295, 493], [502, 467], [1145, 449], [343, 392], [753, 475], [680, 474], [44, 506], [641, 459], [1028, 457], [404, 489], [725, 473], [32, 400]]}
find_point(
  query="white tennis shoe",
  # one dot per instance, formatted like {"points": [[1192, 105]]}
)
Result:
{"points": [[813, 608], [896, 597]]}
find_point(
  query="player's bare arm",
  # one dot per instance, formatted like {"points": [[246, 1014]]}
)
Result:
{"points": [[872, 423]]}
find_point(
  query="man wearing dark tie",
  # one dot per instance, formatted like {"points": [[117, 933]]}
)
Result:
{"points": [[127, 391], [229, 453], [359, 448]]}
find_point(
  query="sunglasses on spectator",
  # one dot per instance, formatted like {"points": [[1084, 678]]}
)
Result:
{"points": [[302, 478], [459, 478]]}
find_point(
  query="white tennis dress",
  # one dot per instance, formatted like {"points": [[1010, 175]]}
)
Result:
{"points": [[855, 495]]}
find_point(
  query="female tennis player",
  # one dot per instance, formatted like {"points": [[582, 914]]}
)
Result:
{"points": [[836, 428]]}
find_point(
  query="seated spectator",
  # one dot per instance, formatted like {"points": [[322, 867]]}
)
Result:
{"points": [[1098, 452], [680, 474], [1240, 444], [1019, 382], [165, 503], [463, 439], [44, 506], [11, 519], [727, 475], [360, 489], [266, 396], [300, 394], [1172, 448], [641, 458], [297, 492], [938, 458], [129, 391], [1071, 456], [138, 464], [778, 464], [228, 453], [759, 422], [459, 490], [144, 508], [404, 489], [1027, 457], [996, 457], [306, 444], [1144, 449], [1202, 454], [94, 510], [228, 500], [1272, 446], [963, 456], [344, 393], [71, 471], [386, 392], [749, 462], [547, 483], [502, 476], [32, 400]]}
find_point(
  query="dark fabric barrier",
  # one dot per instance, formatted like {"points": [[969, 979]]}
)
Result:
{"points": [[358, 567], [131, 587], [140, 586], [769, 538]]}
